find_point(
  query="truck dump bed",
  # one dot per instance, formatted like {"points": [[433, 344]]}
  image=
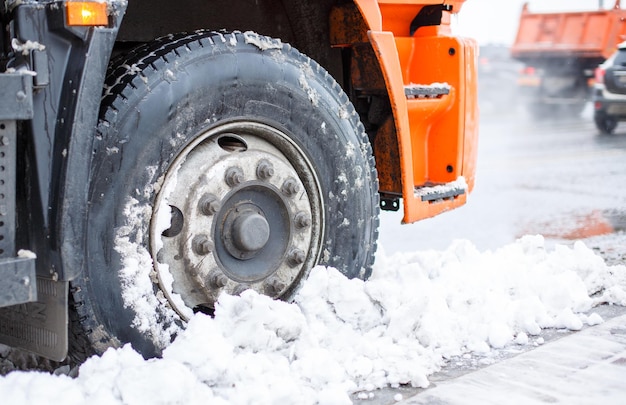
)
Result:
{"points": [[584, 34]]}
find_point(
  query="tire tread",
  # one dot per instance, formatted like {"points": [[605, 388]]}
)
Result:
{"points": [[134, 70]]}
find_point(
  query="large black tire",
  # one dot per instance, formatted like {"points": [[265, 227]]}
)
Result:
{"points": [[223, 162], [605, 124]]}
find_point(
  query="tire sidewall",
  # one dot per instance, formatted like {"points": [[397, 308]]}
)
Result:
{"points": [[605, 123], [169, 106]]}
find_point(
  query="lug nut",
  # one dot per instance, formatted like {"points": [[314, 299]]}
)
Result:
{"points": [[209, 204], [201, 244], [264, 170], [295, 257], [290, 187], [240, 288], [302, 220], [273, 286], [234, 176], [217, 279]]}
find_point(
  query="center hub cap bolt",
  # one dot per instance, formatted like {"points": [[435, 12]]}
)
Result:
{"points": [[250, 231]]}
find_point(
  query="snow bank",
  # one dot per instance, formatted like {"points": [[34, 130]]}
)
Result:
{"points": [[341, 336]]}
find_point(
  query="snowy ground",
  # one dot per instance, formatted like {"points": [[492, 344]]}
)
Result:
{"points": [[432, 300], [341, 337]]}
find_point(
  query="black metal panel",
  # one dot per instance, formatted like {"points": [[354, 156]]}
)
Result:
{"points": [[39, 327], [18, 281], [149, 19], [32, 24], [72, 203], [7, 188], [302, 23], [16, 96], [57, 141], [428, 16]]}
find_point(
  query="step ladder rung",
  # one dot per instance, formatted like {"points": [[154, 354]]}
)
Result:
{"points": [[434, 90], [440, 192]]}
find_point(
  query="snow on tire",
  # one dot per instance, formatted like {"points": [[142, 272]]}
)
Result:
{"points": [[223, 162]]}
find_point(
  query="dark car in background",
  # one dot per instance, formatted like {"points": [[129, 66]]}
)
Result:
{"points": [[609, 93]]}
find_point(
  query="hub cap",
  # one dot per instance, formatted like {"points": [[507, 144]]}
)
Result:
{"points": [[242, 209]]}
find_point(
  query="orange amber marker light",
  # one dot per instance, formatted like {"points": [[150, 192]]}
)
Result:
{"points": [[85, 13]]}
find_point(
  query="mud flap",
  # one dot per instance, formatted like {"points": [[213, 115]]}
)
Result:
{"points": [[41, 326]]}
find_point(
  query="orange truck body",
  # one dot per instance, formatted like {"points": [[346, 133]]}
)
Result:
{"points": [[436, 136], [561, 51]]}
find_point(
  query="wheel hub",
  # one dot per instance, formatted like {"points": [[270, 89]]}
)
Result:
{"points": [[244, 212], [246, 231]]}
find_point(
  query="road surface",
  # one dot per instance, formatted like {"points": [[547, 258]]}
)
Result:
{"points": [[556, 178], [564, 181]]}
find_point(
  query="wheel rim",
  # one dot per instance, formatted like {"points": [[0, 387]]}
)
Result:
{"points": [[240, 208]]}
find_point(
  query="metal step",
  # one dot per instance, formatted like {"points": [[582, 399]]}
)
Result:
{"points": [[441, 192], [434, 90]]}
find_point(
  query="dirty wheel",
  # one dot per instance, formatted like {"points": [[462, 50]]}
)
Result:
{"points": [[223, 162], [606, 125], [245, 213]]}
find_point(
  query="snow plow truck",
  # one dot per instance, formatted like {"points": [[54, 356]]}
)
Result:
{"points": [[560, 52], [155, 154]]}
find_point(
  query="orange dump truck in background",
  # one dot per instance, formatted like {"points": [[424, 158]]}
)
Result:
{"points": [[156, 154], [560, 52]]}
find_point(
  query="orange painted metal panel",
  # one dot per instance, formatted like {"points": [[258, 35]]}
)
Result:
{"points": [[385, 47], [437, 136], [371, 13]]}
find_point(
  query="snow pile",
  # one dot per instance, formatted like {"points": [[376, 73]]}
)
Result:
{"points": [[342, 336]]}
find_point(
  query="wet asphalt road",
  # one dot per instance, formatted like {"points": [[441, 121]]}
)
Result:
{"points": [[557, 178]]}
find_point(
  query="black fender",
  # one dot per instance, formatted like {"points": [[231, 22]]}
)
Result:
{"points": [[70, 73]]}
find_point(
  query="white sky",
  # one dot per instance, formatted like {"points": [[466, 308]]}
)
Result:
{"points": [[496, 21]]}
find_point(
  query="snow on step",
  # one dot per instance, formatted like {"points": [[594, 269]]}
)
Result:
{"points": [[442, 191], [433, 90]]}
